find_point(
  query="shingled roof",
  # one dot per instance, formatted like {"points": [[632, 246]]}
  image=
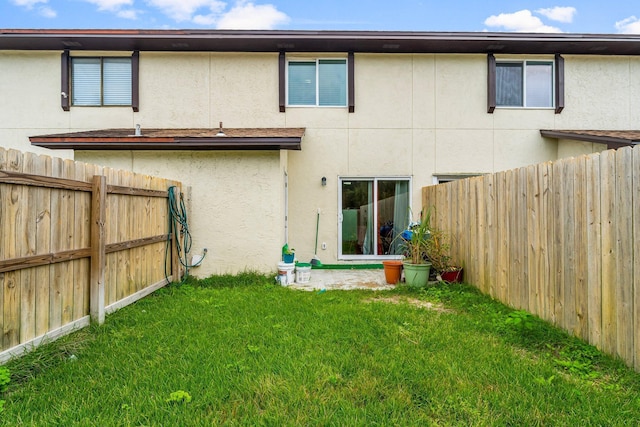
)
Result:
{"points": [[175, 139]]}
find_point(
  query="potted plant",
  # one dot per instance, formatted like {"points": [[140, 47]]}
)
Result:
{"points": [[416, 264], [392, 270], [438, 250], [288, 254]]}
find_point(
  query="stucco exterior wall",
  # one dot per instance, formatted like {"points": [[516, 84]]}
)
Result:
{"points": [[30, 93], [415, 116], [237, 202]]}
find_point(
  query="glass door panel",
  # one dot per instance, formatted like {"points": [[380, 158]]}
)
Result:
{"points": [[393, 215], [367, 228], [357, 214]]}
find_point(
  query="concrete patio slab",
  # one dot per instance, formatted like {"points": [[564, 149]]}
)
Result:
{"points": [[344, 280]]}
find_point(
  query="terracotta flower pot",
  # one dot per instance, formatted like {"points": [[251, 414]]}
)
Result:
{"points": [[392, 271]]}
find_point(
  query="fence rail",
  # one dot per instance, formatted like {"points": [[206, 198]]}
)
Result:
{"points": [[76, 241], [558, 239]]}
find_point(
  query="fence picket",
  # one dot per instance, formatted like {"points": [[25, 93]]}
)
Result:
{"points": [[532, 204], [28, 244], [594, 250], [81, 239], [635, 167], [580, 234], [490, 276], [43, 246], [14, 228], [624, 253], [569, 245], [502, 225], [546, 242], [607, 206]]}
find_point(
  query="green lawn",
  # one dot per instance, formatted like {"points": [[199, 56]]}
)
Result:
{"points": [[242, 351]]}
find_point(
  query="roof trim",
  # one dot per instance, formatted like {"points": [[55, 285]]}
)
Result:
{"points": [[175, 139], [319, 41], [612, 138]]}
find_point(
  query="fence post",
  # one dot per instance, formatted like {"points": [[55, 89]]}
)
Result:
{"points": [[98, 243]]}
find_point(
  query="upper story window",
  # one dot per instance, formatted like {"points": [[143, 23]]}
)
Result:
{"points": [[321, 82], [524, 84], [101, 81]]}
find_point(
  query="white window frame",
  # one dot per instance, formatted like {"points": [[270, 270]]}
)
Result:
{"points": [[317, 62], [353, 257], [102, 91], [524, 63], [443, 178]]}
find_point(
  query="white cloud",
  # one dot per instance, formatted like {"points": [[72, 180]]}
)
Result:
{"points": [[630, 25], [128, 14], [28, 3], [248, 16], [42, 10], [558, 13], [183, 10], [243, 14], [111, 5], [47, 12], [521, 21]]}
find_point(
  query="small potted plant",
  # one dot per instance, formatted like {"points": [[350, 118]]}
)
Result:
{"points": [[288, 254], [438, 250], [415, 240]]}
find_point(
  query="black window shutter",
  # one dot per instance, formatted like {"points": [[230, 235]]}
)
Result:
{"points": [[65, 95], [281, 81], [491, 83], [351, 84], [559, 92], [135, 81]]}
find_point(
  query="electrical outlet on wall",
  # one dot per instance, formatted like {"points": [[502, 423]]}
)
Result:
{"points": [[324, 246]]}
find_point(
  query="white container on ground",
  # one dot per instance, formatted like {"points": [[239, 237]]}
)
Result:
{"points": [[285, 273], [303, 273]]}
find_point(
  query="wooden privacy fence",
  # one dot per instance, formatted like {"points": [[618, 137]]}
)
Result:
{"points": [[76, 241], [558, 239]]}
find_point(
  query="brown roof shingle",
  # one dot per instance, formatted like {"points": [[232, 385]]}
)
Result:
{"points": [[175, 139]]}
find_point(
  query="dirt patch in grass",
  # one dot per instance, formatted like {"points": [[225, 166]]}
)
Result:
{"points": [[411, 301]]}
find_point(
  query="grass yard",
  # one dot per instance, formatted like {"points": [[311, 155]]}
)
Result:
{"points": [[242, 351]]}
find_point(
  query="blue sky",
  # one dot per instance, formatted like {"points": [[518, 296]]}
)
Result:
{"points": [[584, 16]]}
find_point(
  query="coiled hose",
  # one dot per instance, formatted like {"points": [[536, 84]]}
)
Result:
{"points": [[179, 224]]}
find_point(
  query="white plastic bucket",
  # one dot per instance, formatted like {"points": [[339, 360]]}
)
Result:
{"points": [[303, 274], [285, 273]]}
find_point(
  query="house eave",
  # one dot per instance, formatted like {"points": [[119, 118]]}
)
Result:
{"points": [[613, 139], [320, 41], [193, 139]]}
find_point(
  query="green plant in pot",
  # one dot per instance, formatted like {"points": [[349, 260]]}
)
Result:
{"points": [[415, 241], [438, 251], [288, 254]]}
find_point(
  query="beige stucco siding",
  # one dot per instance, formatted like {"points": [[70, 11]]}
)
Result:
{"points": [[415, 116], [30, 93], [237, 202], [175, 90]]}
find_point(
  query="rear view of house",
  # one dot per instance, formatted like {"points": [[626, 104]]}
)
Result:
{"points": [[278, 134]]}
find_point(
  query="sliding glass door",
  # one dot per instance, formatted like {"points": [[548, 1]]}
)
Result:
{"points": [[373, 212]]}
